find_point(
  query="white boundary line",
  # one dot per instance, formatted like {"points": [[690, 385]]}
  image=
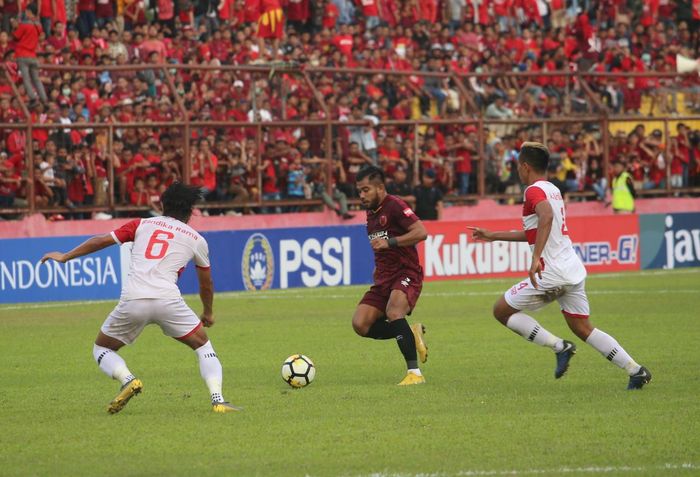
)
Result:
{"points": [[333, 296], [323, 292], [557, 471]]}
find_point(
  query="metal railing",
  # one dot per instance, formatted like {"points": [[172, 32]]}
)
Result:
{"points": [[469, 113]]}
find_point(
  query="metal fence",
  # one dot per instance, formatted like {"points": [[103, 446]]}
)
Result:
{"points": [[597, 116]]}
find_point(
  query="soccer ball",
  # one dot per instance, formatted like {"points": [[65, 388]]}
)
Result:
{"points": [[298, 371]]}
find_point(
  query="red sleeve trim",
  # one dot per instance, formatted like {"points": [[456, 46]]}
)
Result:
{"points": [[531, 236], [574, 315], [533, 196], [194, 330], [127, 232]]}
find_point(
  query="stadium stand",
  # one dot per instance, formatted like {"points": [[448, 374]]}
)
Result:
{"points": [[147, 93]]}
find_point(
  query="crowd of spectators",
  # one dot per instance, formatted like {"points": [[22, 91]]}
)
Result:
{"points": [[491, 37]]}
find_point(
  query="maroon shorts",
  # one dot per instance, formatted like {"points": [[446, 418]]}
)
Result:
{"points": [[408, 282]]}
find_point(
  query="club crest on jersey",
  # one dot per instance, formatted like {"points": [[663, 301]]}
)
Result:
{"points": [[258, 263], [382, 220]]}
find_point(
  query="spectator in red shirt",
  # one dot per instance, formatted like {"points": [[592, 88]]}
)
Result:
{"points": [[460, 150], [86, 17], [370, 10], [139, 196], [166, 17], [9, 184], [104, 12], [27, 35], [10, 10], [330, 15], [680, 151], [270, 26], [204, 169], [52, 11], [298, 14]]}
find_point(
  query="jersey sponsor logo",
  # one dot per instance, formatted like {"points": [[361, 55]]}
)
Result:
{"points": [[605, 253], [258, 263], [382, 234], [315, 262]]}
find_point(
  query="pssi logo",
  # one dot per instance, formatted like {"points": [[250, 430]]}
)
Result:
{"points": [[258, 264], [682, 245], [314, 262]]}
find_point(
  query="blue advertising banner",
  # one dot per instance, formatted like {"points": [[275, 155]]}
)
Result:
{"points": [[241, 260], [286, 258], [670, 240], [23, 278]]}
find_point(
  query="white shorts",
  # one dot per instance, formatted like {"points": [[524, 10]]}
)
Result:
{"points": [[572, 298], [130, 317]]}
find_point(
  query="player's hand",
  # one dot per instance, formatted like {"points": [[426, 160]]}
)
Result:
{"points": [[58, 256], [207, 319], [535, 270], [379, 244], [480, 234]]}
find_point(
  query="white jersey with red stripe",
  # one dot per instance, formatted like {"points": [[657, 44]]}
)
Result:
{"points": [[561, 264], [162, 248]]}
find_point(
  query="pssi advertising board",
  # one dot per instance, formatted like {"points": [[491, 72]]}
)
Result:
{"points": [[341, 255]]}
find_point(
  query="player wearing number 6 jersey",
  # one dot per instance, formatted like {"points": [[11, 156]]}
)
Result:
{"points": [[556, 273], [162, 247]]}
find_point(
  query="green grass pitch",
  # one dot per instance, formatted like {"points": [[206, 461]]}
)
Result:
{"points": [[490, 406]]}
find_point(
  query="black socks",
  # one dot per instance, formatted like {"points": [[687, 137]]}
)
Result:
{"points": [[406, 341], [380, 330], [399, 329]]}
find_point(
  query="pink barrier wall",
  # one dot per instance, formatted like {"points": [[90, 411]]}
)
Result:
{"points": [[38, 226]]}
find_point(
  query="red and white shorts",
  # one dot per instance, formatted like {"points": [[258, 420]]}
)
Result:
{"points": [[572, 298], [129, 318]]}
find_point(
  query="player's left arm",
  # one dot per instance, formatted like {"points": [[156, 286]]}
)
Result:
{"points": [[93, 244], [545, 217]]}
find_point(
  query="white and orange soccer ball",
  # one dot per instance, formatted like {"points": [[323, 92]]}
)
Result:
{"points": [[298, 371]]}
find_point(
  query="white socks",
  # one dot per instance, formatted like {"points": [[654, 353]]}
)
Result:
{"points": [[611, 349], [527, 327], [209, 367], [211, 370], [112, 364]]}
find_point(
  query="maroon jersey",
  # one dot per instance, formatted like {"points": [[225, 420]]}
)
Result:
{"points": [[391, 219]]}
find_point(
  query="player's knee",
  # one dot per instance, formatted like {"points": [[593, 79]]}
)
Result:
{"points": [[360, 328], [500, 314], [393, 314]]}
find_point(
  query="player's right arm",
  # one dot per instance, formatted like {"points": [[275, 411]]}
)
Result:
{"points": [[93, 244], [206, 294], [492, 236]]}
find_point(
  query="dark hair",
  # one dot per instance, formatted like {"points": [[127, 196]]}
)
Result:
{"points": [[373, 173], [535, 154], [179, 199], [32, 8]]}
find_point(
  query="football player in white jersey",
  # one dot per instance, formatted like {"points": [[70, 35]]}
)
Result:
{"points": [[162, 247], [556, 273]]}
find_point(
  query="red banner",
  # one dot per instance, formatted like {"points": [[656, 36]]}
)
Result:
{"points": [[605, 244]]}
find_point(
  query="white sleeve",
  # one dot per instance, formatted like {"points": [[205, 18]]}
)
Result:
{"points": [[201, 254]]}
